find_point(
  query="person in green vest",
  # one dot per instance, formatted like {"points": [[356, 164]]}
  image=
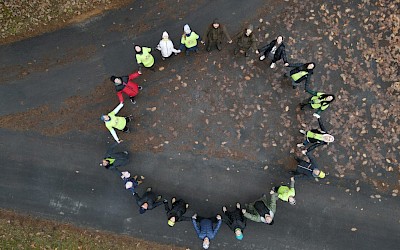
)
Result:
{"points": [[113, 122], [262, 210], [144, 58], [300, 72], [319, 101], [286, 193], [317, 137], [189, 40]]}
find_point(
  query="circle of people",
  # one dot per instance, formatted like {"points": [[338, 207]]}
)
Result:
{"points": [[262, 210]]}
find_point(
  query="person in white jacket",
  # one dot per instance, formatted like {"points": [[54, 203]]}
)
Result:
{"points": [[166, 46]]}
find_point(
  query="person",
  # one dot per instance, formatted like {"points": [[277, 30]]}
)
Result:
{"points": [[125, 84], [319, 101], [215, 35], [189, 40], [166, 46], [246, 40], [315, 136], [235, 220], [287, 194], [113, 122], [262, 210], [176, 212], [300, 72], [148, 201], [113, 160], [130, 182], [144, 58], [205, 230], [307, 168], [275, 51]]}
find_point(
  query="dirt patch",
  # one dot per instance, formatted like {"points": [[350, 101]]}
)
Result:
{"points": [[18, 231], [23, 19]]}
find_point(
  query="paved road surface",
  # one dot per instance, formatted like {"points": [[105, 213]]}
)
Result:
{"points": [[58, 177]]}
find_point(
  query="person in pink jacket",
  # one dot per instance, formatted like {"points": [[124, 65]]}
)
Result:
{"points": [[125, 84]]}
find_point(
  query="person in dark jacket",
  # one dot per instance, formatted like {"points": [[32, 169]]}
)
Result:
{"points": [[148, 201], [300, 72], [205, 230], [246, 40], [319, 101], [113, 160], [215, 35], [125, 84], [176, 212], [262, 210], [235, 220], [275, 51], [317, 137], [308, 168]]}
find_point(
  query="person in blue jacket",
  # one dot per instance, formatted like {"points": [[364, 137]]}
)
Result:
{"points": [[206, 230]]}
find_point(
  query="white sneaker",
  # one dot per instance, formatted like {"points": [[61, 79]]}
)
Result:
{"points": [[302, 131], [300, 145], [272, 65], [262, 57]]}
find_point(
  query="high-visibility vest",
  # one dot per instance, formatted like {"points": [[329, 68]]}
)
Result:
{"points": [[117, 122], [313, 135], [110, 160], [316, 102], [298, 75], [284, 192], [190, 41], [145, 58]]}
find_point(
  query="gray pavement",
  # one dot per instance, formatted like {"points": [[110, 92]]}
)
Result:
{"points": [[56, 175]]}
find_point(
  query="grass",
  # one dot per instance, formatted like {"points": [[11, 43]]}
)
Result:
{"points": [[18, 231]]}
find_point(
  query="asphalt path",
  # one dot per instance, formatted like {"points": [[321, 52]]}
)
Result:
{"points": [[58, 177]]}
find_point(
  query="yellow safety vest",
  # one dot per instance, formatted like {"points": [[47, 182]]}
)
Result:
{"points": [[117, 122], [316, 102], [190, 41], [314, 136], [298, 75], [145, 58]]}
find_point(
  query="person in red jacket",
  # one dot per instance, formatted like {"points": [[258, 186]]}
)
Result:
{"points": [[125, 84]]}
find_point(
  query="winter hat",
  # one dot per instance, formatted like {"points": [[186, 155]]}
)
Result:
{"points": [[128, 185], [165, 35], [112, 78], [321, 175], [171, 223], [142, 210], [216, 21], [125, 174], [102, 118], [187, 29]]}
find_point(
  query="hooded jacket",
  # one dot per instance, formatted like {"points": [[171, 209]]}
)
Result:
{"points": [[253, 212], [166, 46], [116, 159], [150, 197], [127, 86], [247, 42], [206, 228], [216, 34], [235, 219], [306, 168], [177, 210]]}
